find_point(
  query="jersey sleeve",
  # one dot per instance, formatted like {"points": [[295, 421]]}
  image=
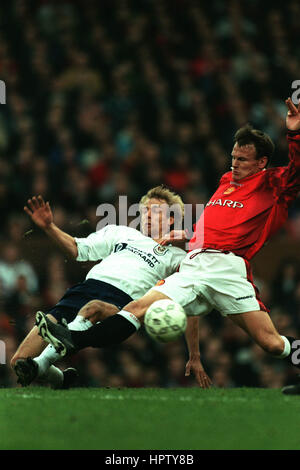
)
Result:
{"points": [[97, 245]]}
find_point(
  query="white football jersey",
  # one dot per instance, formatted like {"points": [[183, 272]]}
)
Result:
{"points": [[131, 261]]}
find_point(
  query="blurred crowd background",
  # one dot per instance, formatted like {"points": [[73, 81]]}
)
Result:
{"points": [[113, 97]]}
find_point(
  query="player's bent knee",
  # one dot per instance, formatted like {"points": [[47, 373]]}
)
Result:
{"points": [[273, 346], [97, 310], [89, 309]]}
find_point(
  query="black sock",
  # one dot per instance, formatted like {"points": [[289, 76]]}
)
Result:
{"points": [[294, 357], [111, 331]]}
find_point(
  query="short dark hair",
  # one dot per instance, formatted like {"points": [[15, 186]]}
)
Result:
{"points": [[263, 144], [163, 192]]}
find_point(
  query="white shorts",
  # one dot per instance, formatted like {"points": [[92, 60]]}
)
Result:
{"points": [[210, 280]]}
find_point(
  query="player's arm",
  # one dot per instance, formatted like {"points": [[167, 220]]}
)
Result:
{"points": [[41, 214], [293, 116], [194, 363], [286, 180], [176, 238], [292, 176]]}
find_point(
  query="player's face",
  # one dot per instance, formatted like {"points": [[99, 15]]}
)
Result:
{"points": [[155, 218], [244, 162]]}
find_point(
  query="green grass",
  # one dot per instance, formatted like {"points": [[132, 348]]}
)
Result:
{"points": [[161, 419]]}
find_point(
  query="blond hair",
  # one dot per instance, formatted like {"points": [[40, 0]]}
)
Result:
{"points": [[162, 192]]}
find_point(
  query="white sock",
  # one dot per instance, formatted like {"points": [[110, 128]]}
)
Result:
{"points": [[46, 359], [80, 324], [49, 356], [287, 348], [130, 317]]}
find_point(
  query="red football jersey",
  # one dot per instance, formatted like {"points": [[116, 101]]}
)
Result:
{"points": [[241, 216]]}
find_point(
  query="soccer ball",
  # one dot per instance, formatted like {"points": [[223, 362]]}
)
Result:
{"points": [[165, 320]]}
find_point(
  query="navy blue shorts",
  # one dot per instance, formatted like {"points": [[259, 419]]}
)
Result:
{"points": [[78, 295]]}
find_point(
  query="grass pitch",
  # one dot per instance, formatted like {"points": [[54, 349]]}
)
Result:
{"points": [[160, 419]]}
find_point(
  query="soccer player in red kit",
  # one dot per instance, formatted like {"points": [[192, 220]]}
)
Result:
{"points": [[249, 206]]}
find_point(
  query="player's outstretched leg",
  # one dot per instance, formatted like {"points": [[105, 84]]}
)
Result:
{"points": [[262, 330], [33, 347], [111, 331]]}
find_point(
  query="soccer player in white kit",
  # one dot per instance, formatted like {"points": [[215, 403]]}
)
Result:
{"points": [[250, 204], [131, 263]]}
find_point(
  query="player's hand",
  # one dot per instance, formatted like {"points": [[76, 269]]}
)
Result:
{"points": [[39, 212], [293, 115], [195, 366], [176, 237]]}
